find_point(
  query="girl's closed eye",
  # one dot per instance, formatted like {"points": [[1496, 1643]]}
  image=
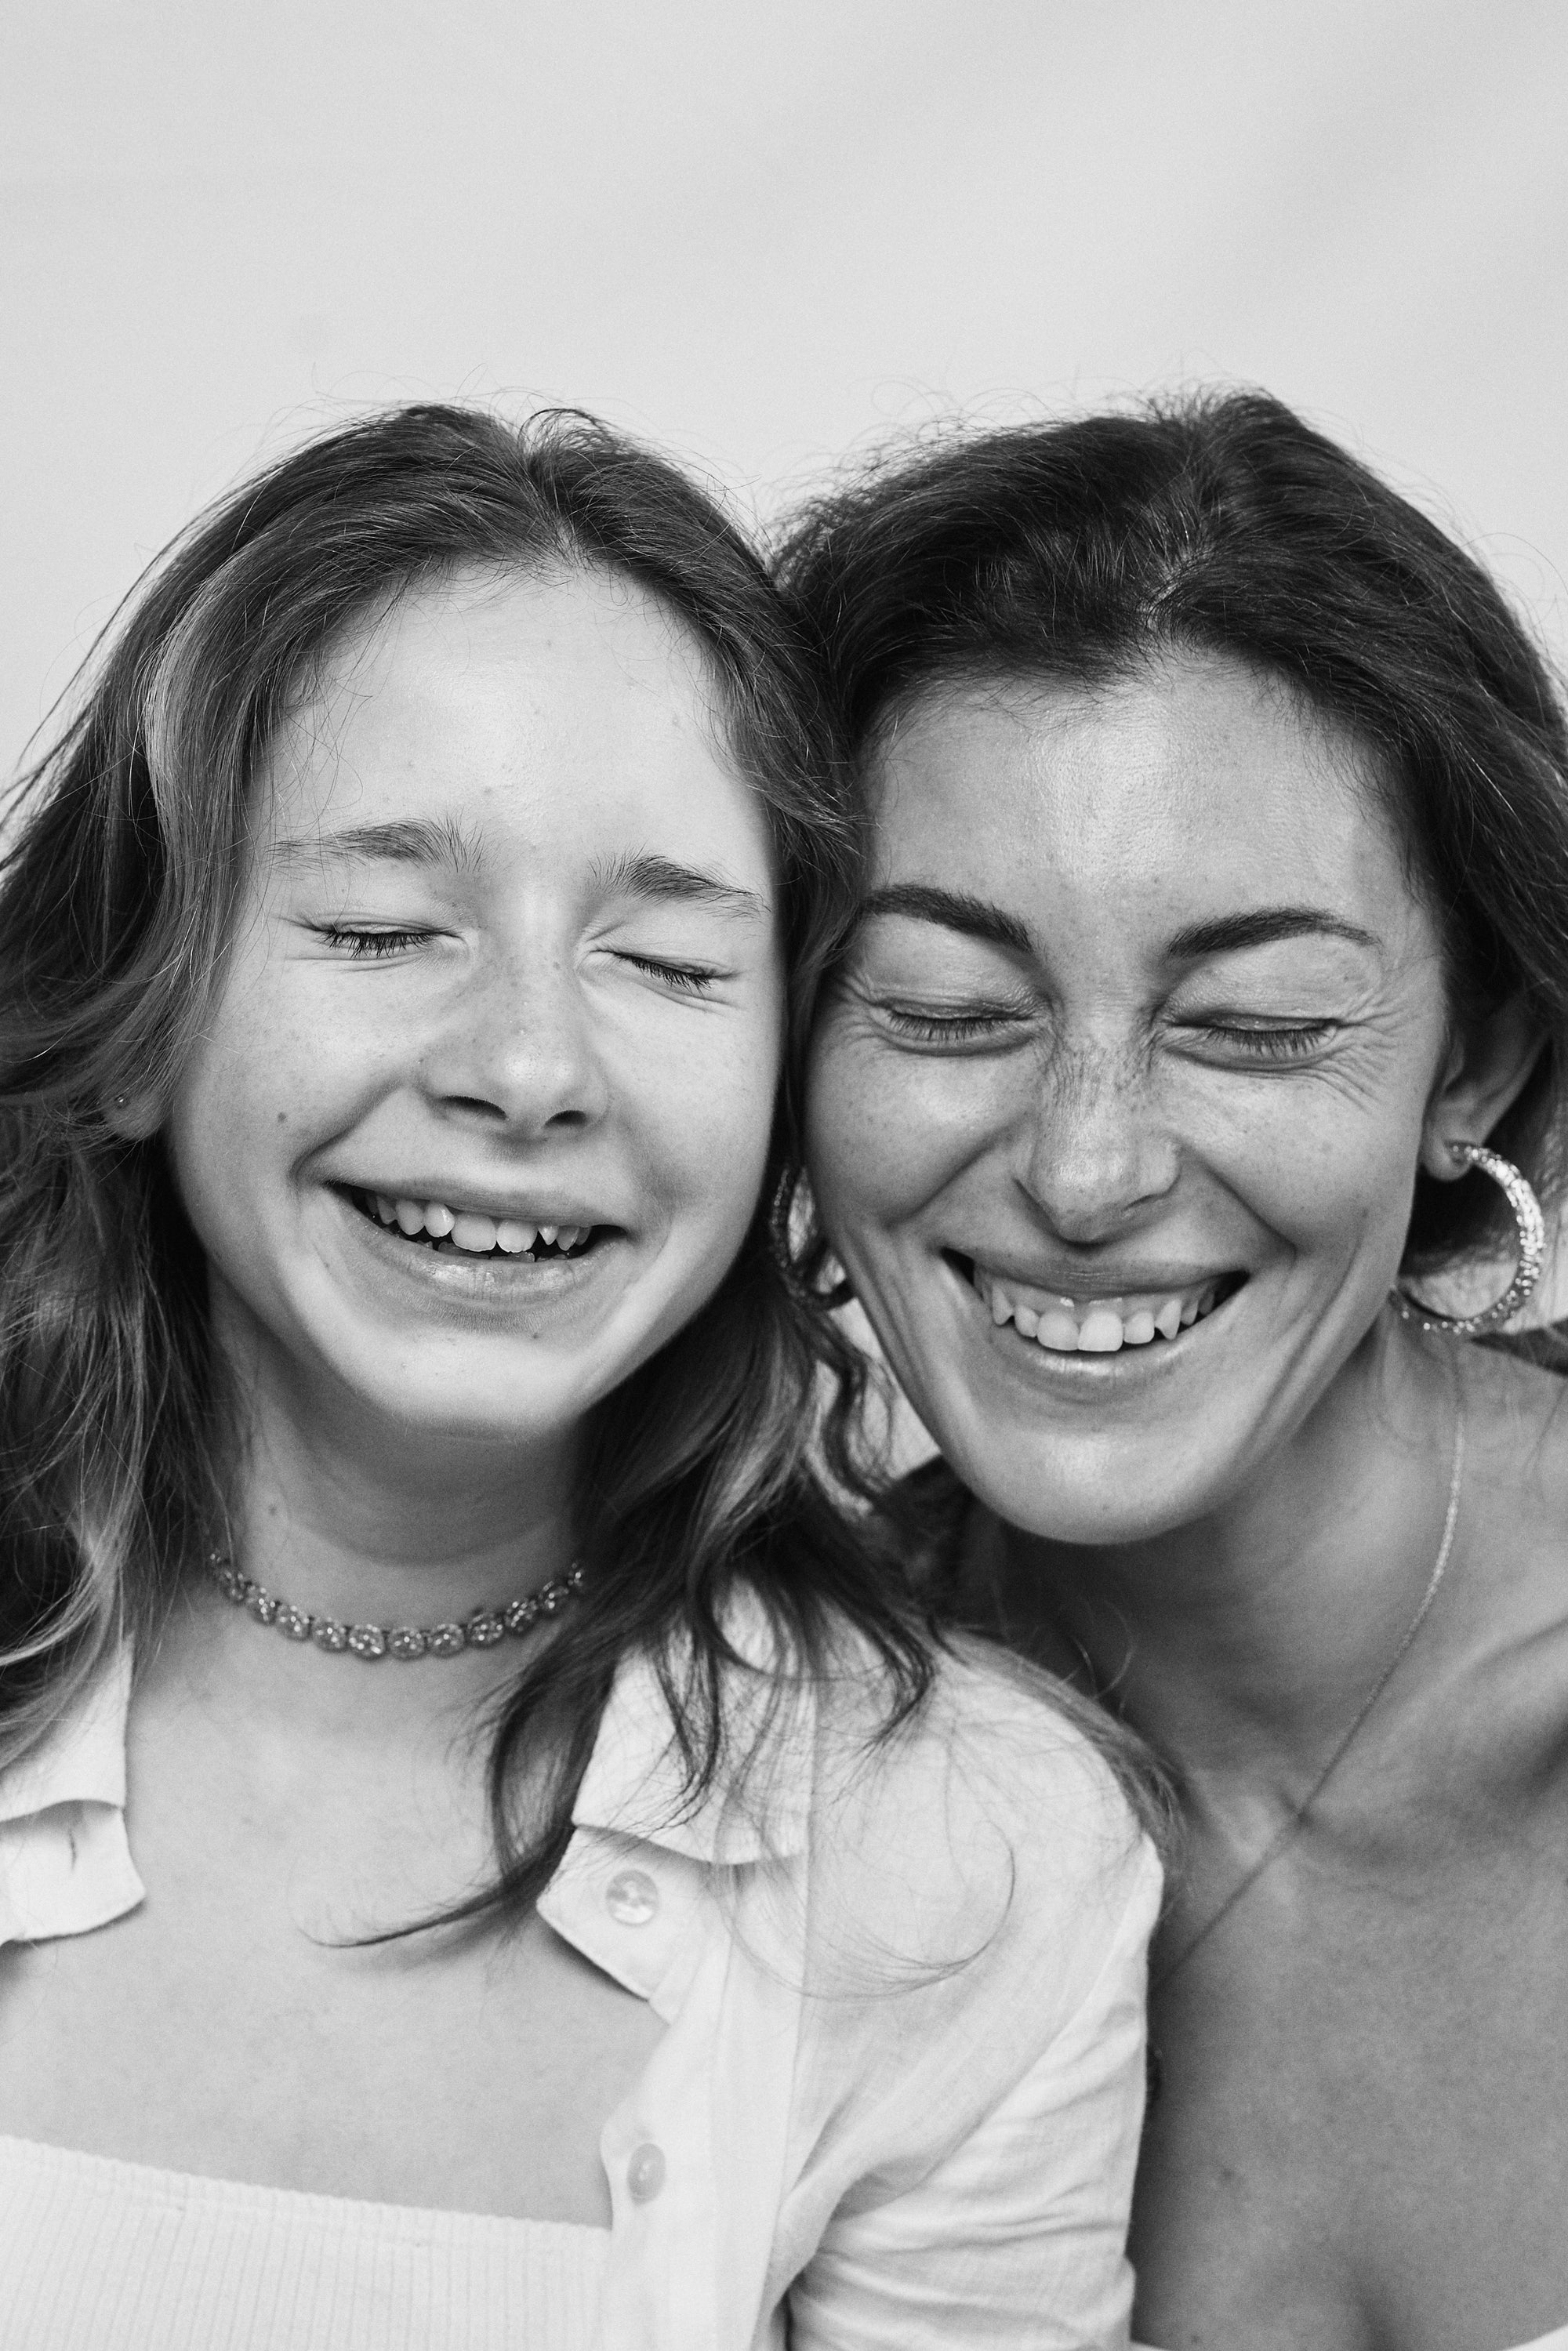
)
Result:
{"points": [[365, 943], [685, 978]]}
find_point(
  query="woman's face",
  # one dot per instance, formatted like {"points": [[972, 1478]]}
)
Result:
{"points": [[1116, 1112], [483, 1111]]}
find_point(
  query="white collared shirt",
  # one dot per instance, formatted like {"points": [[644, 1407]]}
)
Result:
{"points": [[897, 2105]]}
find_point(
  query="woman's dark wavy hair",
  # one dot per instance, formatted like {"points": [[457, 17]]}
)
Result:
{"points": [[1223, 524], [116, 899]]}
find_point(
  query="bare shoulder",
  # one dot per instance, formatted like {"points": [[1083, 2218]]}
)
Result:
{"points": [[1517, 1466], [1511, 1574]]}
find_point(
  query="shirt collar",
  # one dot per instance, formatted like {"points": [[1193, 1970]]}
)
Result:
{"points": [[82, 1761], [636, 1782]]}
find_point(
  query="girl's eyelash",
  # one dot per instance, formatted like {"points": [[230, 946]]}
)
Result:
{"points": [[692, 979], [370, 944]]}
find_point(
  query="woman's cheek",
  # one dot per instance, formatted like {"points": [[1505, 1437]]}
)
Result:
{"points": [[885, 1131], [1324, 1179]]}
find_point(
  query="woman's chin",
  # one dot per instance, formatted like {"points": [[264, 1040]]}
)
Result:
{"points": [[1105, 1502], [1116, 1477]]}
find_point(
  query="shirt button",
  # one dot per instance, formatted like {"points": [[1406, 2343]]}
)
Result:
{"points": [[645, 2173], [631, 1897]]}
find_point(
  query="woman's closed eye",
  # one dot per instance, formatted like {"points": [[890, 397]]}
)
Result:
{"points": [[956, 1024], [1254, 1039]]}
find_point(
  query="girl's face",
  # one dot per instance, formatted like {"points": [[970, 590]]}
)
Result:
{"points": [[1116, 1112], [482, 1112]]}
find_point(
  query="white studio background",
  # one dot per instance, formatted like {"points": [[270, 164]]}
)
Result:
{"points": [[763, 235]]}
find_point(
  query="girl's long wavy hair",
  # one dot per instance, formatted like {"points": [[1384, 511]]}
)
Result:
{"points": [[116, 901]]}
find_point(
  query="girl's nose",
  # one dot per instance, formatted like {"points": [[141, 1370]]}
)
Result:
{"points": [[1097, 1148], [517, 1052]]}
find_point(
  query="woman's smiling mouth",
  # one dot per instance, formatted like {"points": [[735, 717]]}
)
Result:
{"points": [[1064, 1323]]}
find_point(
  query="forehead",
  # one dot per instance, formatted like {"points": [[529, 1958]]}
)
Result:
{"points": [[1189, 775], [557, 694]]}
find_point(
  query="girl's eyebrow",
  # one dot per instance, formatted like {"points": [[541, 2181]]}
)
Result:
{"points": [[653, 877], [410, 841]]}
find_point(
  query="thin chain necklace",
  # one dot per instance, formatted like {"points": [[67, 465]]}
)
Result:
{"points": [[1297, 1821], [482, 1630]]}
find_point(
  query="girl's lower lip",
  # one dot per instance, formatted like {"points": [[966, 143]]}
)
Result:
{"points": [[499, 1276]]}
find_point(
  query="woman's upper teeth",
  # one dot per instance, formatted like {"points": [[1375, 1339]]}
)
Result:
{"points": [[468, 1228], [1093, 1326]]}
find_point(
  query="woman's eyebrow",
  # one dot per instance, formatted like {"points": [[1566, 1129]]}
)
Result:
{"points": [[1259, 928], [410, 841], [956, 910], [650, 876]]}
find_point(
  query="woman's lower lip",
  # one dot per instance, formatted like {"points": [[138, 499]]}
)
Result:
{"points": [[1075, 1368]]}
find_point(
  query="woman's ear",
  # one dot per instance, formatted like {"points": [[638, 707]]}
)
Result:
{"points": [[1486, 1072], [133, 1115]]}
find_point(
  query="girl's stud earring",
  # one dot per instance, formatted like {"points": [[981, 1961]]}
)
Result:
{"points": [[1531, 1231], [120, 1100]]}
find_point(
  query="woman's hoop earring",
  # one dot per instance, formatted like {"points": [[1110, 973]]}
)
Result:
{"points": [[1532, 1227], [819, 1258]]}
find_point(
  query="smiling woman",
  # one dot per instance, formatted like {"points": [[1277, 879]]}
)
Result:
{"points": [[1215, 955], [462, 1775]]}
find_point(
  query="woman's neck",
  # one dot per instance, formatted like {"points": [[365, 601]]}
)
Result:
{"points": [[1240, 1644]]}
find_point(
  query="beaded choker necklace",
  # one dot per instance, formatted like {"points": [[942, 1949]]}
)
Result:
{"points": [[482, 1630]]}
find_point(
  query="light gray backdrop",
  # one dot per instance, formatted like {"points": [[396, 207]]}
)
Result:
{"points": [[761, 233]]}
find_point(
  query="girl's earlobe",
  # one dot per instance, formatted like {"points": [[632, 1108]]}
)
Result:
{"points": [[134, 1115]]}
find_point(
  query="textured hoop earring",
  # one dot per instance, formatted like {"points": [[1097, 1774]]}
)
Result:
{"points": [[1532, 1227], [782, 1238]]}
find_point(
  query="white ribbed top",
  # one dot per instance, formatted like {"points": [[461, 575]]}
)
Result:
{"points": [[1556, 2341], [100, 2255]]}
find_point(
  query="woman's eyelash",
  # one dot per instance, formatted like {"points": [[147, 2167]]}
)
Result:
{"points": [[1284, 1043], [948, 1028], [370, 944]]}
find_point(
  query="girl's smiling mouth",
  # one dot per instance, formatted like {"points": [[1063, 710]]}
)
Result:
{"points": [[1094, 1321], [450, 1230]]}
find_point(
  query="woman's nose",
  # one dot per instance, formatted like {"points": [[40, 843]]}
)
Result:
{"points": [[517, 1051], [1097, 1149]]}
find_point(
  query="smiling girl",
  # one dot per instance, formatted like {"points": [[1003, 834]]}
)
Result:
{"points": [[1209, 1006], [482, 1857]]}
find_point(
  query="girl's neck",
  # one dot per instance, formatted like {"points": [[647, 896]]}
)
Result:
{"points": [[1241, 1643], [346, 1518]]}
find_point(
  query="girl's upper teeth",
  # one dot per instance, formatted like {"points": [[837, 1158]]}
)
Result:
{"points": [[470, 1229], [1093, 1326]]}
